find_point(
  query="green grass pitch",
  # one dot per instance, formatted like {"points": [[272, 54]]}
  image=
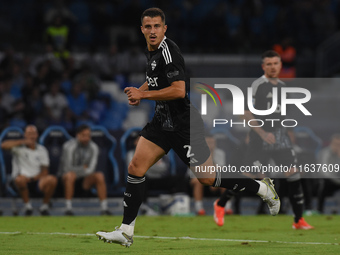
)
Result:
{"points": [[170, 235]]}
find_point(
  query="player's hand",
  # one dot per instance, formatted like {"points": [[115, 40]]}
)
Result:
{"points": [[134, 102], [133, 94], [268, 137]]}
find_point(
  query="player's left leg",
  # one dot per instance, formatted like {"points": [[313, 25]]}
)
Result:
{"points": [[197, 156], [146, 155], [47, 185], [296, 198], [97, 179], [197, 193], [295, 192], [21, 183]]}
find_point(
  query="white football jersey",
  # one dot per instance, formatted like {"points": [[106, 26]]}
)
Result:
{"points": [[28, 162]]}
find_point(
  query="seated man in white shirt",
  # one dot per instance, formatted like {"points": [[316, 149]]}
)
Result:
{"points": [[30, 169]]}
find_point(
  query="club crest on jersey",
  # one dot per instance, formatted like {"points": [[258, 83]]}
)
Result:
{"points": [[153, 65]]}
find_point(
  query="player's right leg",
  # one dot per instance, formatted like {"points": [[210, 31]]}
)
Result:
{"points": [[147, 153], [69, 179]]}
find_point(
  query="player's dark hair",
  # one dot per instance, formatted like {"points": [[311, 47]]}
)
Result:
{"points": [[270, 54], [81, 128], [152, 13]]}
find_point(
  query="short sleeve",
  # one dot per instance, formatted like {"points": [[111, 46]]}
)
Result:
{"points": [[174, 65], [45, 160]]}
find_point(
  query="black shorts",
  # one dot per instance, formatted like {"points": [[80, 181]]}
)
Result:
{"points": [[193, 152], [33, 188], [78, 188]]}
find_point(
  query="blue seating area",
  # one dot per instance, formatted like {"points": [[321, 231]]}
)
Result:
{"points": [[53, 139], [6, 160], [112, 156]]}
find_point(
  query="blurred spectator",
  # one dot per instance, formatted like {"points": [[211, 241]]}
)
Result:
{"points": [[34, 109], [57, 35], [108, 66], [66, 83], [78, 169], [30, 169], [77, 102], [90, 80], [14, 107], [43, 76], [56, 104], [7, 62], [59, 9], [3, 115], [329, 156], [288, 57]]}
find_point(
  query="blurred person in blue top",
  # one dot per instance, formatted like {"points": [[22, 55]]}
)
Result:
{"points": [[77, 102]]}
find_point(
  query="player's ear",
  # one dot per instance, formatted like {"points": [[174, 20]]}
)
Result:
{"points": [[165, 28]]}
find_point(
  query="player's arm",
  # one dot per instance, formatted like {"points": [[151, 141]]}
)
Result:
{"points": [[144, 87], [93, 162], [268, 137], [175, 91], [9, 144]]}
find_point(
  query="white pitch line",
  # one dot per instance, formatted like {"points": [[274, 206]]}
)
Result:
{"points": [[173, 238]]}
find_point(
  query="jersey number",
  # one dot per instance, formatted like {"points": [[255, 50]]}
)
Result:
{"points": [[189, 154]]}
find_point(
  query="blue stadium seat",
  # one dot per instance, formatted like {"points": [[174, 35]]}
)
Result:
{"points": [[107, 162], [53, 139], [6, 159]]}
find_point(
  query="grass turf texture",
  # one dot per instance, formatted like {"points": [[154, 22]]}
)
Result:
{"points": [[35, 235]]}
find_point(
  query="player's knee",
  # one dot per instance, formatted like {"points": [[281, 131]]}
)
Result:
{"points": [[134, 169], [20, 182], [52, 180], [206, 181], [100, 177], [69, 177]]}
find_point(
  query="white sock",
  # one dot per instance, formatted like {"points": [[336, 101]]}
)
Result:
{"points": [[128, 229], [44, 207], [28, 206], [68, 203], [198, 205], [262, 190], [228, 205], [103, 205]]}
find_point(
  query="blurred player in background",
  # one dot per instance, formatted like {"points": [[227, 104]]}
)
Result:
{"points": [[176, 125], [271, 141]]}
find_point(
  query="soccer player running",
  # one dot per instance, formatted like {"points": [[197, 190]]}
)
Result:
{"points": [[170, 129], [269, 141]]}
